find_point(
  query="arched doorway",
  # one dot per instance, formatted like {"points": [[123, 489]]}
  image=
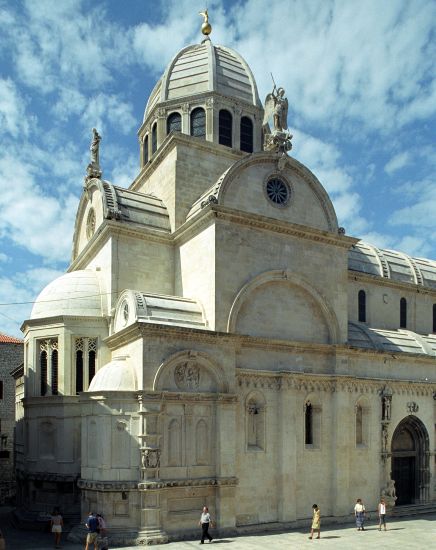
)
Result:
{"points": [[410, 462]]}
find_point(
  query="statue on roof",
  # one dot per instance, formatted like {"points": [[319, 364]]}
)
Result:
{"points": [[206, 27], [93, 170], [276, 111]]}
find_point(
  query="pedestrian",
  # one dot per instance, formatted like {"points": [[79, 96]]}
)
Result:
{"points": [[92, 536], [103, 541], [359, 512], [205, 522], [316, 521], [382, 514], [56, 522]]}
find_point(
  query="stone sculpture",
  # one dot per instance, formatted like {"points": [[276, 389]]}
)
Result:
{"points": [[93, 170], [276, 111]]}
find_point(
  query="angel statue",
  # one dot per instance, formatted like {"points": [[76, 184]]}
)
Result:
{"points": [[276, 106], [276, 109]]}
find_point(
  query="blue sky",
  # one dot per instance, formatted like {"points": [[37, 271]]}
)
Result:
{"points": [[360, 78]]}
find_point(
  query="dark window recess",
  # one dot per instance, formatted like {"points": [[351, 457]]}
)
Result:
{"points": [[145, 150], [4, 454], [54, 372], [246, 134], [362, 306], [308, 424], [91, 365], [79, 371], [154, 139], [225, 128], [174, 123], [403, 313], [198, 123], [43, 370], [1, 391], [434, 317]]}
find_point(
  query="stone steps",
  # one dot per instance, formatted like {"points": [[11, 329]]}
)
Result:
{"points": [[413, 509]]}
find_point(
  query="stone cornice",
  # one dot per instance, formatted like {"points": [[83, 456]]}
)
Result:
{"points": [[257, 221], [47, 476], [59, 321], [309, 382], [157, 484], [367, 278]]}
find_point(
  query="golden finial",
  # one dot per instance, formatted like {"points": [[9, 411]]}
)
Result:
{"points": [[206, 27]]}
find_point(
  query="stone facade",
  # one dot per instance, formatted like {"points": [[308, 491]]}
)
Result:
{"points": [[11, 355], [218, 340]]}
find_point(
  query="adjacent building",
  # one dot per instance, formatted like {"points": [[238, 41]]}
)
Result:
{"points": [[11, 355], [218, 340]]}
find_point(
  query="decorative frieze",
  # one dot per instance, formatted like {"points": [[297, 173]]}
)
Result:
{"points": [[202, 482]]}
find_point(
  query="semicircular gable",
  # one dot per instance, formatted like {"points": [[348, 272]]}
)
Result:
{"points": [[243, 187], [190, 371], [282, 305]]}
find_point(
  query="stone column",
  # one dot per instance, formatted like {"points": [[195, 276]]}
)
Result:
{"points": [[161, 126], [186, 127], [150, 487], [236, 128], [211, 126]]}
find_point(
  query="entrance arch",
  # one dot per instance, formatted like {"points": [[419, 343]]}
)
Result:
{"points": [[410, 461]]}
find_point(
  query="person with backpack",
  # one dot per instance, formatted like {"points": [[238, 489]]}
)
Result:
{"points": [[103, 541], [93, 529]]}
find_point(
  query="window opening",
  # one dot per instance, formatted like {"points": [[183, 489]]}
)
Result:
{"points": [[308, 421], [403, 313], [225, 128], [362, 306], [154, 139], [246, 134], [198, 123], [174, 123], [145, 150]]}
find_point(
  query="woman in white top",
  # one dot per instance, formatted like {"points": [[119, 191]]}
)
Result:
{"points": [[56, 522], [205, 521], [382, 514], [359, 512]]}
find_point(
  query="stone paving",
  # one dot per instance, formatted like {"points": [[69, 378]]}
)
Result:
{"points": [[418, 532]]}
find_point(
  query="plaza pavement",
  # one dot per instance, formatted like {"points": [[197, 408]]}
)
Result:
{"points": [[417, 533]]}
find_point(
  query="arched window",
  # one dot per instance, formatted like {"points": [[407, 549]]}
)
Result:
{"points": [[145, 150], [43, 371], [255, 425], [312, 424], [246, 134], [225, 128], [198, 122], [86, 359], [362, 306], [359, 425], [174, 443], [154, 139], [201, 443], [308, 424], [403, 313], [54, 372], [174, 123], [434, 317]]}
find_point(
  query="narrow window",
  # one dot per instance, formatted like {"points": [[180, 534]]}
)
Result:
{"points": [[362, 306], [434, 317], [225, 128], [145, 150], [79, 365], [92, 354], [308, 424], [255, 424], [43, 371], [246, 134], [54, 372], [403, 313], [198, 123], [359, 425], [1, 394], [174, 123], [154, 139]]}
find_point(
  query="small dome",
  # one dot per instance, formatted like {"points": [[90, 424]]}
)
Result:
{"points": [[76, 293], [118, 375], [203, 68]]}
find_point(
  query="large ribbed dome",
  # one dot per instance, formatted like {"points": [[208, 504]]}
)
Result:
{"points": [[205, 68], [76, 293]]}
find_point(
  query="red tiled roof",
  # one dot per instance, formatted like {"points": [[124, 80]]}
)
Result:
{"points": [[5, 339]]}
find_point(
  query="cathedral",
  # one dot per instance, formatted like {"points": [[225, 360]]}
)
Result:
{"points": [[219, 340]]}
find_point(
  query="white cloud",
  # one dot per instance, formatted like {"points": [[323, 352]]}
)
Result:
{"points": [[12, 112], [422, 212], [102, 107], [4, 257], [397, 162]]}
